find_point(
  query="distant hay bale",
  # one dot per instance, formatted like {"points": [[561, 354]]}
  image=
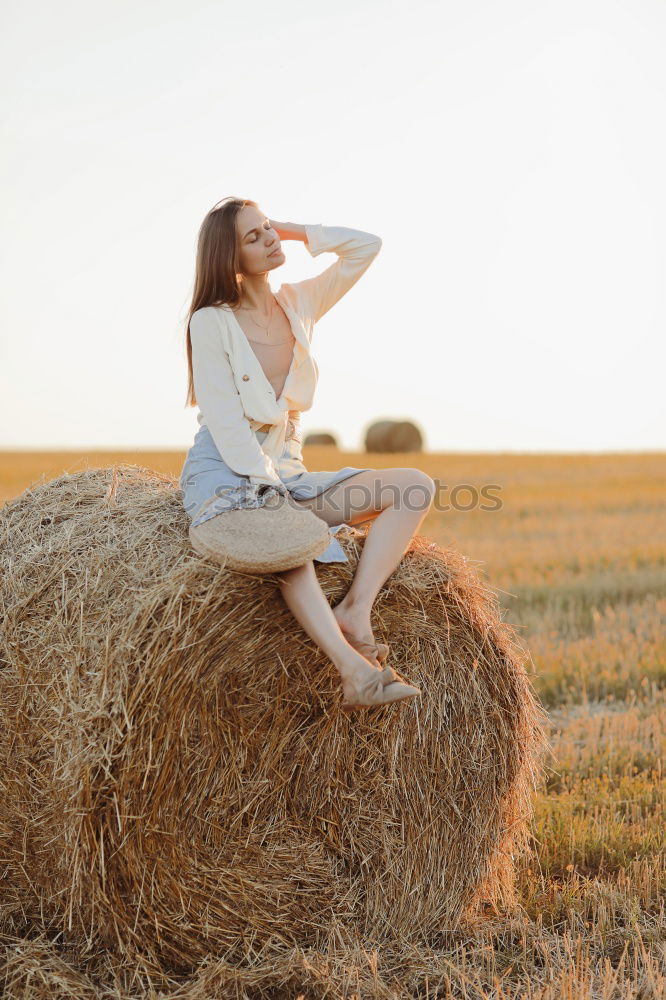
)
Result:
{"points": [[178, 784], [320, 437], [392, 436]]}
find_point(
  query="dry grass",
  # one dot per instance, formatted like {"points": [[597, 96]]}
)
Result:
{"points": [[178, 782], [577, 553]]}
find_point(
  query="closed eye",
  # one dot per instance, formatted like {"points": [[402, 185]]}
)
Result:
{"points": [[266, 225]]}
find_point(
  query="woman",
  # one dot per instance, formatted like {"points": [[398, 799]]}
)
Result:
{"points": [[251, 373]]}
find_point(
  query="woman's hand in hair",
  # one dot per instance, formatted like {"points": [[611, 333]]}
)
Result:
{"points": [[289, 230]]}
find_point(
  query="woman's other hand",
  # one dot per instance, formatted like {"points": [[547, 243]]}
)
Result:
{"points": [[289, 230]]}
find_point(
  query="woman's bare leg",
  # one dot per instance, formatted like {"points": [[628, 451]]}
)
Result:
{"points": [[398, 501], [303, 595]]}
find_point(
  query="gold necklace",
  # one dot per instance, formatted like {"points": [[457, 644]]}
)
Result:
{"points": [[270, 317]]}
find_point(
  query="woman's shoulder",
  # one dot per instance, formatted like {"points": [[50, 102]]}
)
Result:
{"points": [[211, 319], [288, 292], [217, 313], [209, 310]]}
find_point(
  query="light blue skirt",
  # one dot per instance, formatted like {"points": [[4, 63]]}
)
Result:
{"points": [[205, 471]]}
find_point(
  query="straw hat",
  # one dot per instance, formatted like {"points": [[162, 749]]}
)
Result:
{"points": [[276, 535]]}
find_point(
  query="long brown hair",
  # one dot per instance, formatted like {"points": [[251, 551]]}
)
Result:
{"points": [[217, 266]]}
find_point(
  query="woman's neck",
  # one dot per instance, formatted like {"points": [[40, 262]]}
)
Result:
{"points": [[256, 294]]}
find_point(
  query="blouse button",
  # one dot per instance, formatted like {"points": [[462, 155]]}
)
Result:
{"points": [[246, 378]]}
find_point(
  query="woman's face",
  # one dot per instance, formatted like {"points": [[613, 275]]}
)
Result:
{"points": [[257, 242]]}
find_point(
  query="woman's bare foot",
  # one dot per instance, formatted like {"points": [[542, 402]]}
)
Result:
{"points": [[352, 619], [356, 625]]}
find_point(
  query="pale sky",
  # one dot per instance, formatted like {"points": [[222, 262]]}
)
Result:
{"points": [[511, 155]]}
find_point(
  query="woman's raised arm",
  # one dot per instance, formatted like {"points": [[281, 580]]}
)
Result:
{"points": [[355, 249]]}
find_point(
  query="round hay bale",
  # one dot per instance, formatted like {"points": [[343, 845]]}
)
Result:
{"points": [[320, 437], [392, 436], [176, 778]]}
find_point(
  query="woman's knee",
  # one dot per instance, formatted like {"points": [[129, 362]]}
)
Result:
{"points": [[421, 490], [412, 489]]}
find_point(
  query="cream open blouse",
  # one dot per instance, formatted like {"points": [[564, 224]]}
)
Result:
{"points": [[275, 359], [233, 393]]}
